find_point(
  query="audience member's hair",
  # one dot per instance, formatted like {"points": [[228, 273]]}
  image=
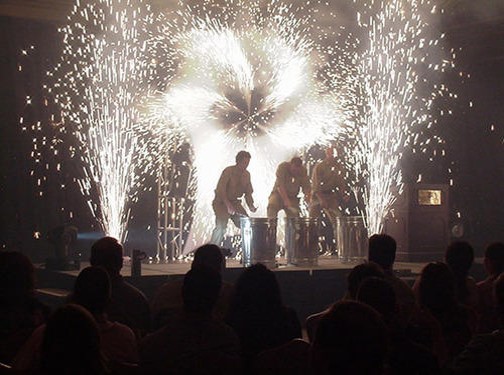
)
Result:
{"points": [[71, 343], [107, 252], [379, 294], [437, 287], [359, 273], [382, 250], [494, 255], [257, 291], [92, 289], [200, 290], [16, 277], [241, 155], [210, 256], [258, 315], [351, 338], [460, 256]]}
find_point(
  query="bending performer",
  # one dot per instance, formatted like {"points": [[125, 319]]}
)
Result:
{"points": [[234, 183]]}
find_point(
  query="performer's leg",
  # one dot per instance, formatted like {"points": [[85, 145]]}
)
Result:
{"points": [[333, 212], [221, 220]]}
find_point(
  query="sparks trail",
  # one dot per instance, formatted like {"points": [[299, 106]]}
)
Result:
{"points": [[98, 82], [248, 75], [399, 71]]}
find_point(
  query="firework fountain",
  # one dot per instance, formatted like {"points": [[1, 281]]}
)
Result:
{"points": [[400, 69], [98, 83], [254, 75]]}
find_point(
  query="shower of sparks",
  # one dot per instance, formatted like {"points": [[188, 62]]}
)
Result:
{"points": [[248, 75], [399, 71], [98, 82]]}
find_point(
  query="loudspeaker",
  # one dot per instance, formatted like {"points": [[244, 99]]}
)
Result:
{"points": [[419, 222]]}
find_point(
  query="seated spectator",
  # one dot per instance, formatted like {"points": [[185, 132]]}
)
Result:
{"points": [[167, 302], [91, 291], [404, 355], [382, 251], [194, 343], [437, 298], [459, 257], [128, 305], [485, 353], [20, 311], [351, 338], [487, 309], [358, 274], [258, 315], [292, 358], [71, 344]]}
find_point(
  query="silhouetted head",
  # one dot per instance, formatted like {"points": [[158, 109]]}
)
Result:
{"points": [[200, 290], [92, 289], [210, 256], [351, 338], [243, 159], [361, 272], [257, 290], [296, 166], [71, 343], [379, 294], [459, 256], [17, 277], [107, 252], [494, 258], [382, 250], [437, 287]]}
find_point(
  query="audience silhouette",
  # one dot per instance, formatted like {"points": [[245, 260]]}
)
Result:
{"points": [[204, 325], [71, 344], [351, 338], [167, 302], [128, 305], [195, 342], [20, 311], [258, 315]]}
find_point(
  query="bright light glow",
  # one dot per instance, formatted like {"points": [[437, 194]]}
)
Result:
{"points": [[100, 78], [245, 80]]}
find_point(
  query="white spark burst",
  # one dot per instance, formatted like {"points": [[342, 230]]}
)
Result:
{"points": [[398, 71], [99, 80], [248, 77]]}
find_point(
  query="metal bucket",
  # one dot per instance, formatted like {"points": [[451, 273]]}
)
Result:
{"points": [[352, 238], [258, 241], [301, 241]]}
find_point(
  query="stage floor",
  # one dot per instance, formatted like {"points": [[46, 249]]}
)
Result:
{"points": [[324, 263]]}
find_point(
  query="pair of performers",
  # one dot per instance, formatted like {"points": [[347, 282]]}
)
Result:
{"points": [[324, 194]]}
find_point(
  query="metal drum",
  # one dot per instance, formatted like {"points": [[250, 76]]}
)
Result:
{"points": [[352, 238], [258, 241], [301, 241]]}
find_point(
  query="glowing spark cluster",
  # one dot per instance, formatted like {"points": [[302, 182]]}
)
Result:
{"points": [[399, 72], [264, 76], [248, 77], [98, 82]]}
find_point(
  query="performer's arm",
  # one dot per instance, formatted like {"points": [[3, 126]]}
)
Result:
{"points": [[248, 195], [221, 190]]}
